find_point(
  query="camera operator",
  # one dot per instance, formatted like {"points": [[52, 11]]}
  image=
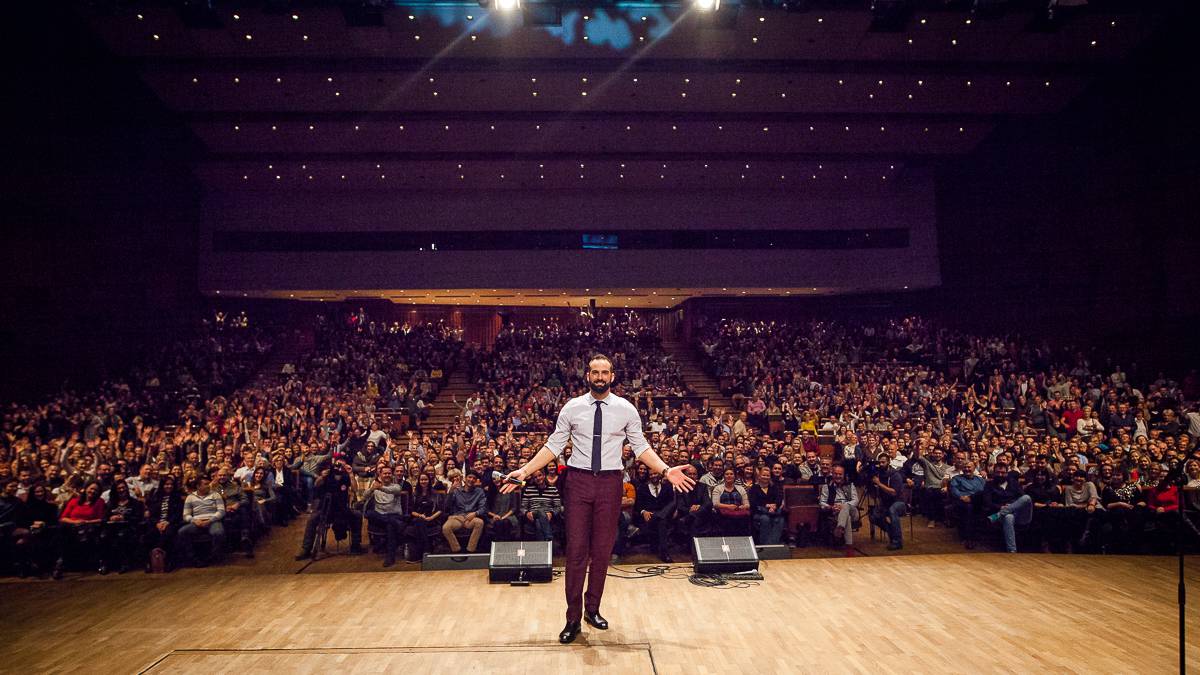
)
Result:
{"points": [[335, 483]]}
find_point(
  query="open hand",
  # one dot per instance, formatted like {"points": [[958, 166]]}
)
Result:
{"points": [[678, 479]]}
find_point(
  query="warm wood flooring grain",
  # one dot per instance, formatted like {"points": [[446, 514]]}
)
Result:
{"points": [[937, 613]]}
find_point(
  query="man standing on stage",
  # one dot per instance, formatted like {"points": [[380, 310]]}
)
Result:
{"points": [[597, 424]]}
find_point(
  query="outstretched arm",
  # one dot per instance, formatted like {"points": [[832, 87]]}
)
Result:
{"points": [[674, 475], [541, 459]]}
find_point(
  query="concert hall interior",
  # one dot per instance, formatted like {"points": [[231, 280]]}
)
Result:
{"points": [[301, 301]]}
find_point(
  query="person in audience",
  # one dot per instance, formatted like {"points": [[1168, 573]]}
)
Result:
{"points": [[164, 517], [334, 489], [823, 476], [386, 510], [766, 508], [144, 483], [694, 508], [811, 468], [262, 502], [625, 518], [887, 483], [1160, 509], [716, 471], [287, 491], [239, 514], [839, 499], [309, 466], [966, 492], [654, 508], [120, 538], [467, 507], [10, 509], [541, 506], [80, 523], [732, 505], [851, 455], [503, 521], [203, 514], [934, 490], [1010, 506], [1082, 515], [427, 510], [36, 524]]}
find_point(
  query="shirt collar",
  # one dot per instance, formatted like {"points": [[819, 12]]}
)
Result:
{"points": [[592, 399]]}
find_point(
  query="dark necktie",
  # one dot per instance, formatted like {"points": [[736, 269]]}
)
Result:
{"points": [[597, 438]]}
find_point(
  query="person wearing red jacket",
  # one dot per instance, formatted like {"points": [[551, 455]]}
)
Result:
{"points": [[80, 523], [1162, 507]]}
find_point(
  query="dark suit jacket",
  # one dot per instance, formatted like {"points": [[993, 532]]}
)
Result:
{"points": [[174, 509], [699, 495], [644, 501]]}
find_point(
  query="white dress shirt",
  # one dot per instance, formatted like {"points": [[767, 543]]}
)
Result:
{"points": [[619, 422]]}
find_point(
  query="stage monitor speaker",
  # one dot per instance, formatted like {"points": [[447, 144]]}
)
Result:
{"points": [[521, 562], [454, 561], [773, 551], [723, 555]]}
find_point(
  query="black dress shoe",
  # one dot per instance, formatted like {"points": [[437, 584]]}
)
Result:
{"points": [[567, 636], [595, 620]]}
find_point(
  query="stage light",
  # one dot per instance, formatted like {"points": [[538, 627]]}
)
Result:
{"points": [[707, 5], [507, 5]]}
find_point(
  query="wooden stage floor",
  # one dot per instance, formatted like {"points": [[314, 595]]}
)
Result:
{"points": [[933, 613]]}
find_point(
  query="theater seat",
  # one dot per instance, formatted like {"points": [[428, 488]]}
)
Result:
{"points": [[803, 513]]}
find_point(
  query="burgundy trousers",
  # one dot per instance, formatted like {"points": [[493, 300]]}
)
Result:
{"points": [[592, 509]]}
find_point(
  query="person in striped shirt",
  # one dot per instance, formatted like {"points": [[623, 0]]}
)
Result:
{"points": [[541, 505]]}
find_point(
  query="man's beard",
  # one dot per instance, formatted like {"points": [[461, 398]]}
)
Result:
{"points": [[598, 387]]}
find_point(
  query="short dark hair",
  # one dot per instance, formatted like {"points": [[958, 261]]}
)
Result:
{"points": [[600, 357]]}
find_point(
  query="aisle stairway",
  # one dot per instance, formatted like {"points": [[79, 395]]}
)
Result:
{"points": [[444, 409], [694, 374]]}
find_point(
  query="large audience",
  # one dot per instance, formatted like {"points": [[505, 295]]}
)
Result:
{"points": [[1059, 446], [530, 371], [1005, 439], [186, 461]]}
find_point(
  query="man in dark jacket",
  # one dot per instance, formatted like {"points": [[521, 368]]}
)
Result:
{"points": [[335, 484], [653, 508], [887, 483], [693, 509], [1009, 504]]}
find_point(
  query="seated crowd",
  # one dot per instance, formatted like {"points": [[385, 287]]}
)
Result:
{"points": [[1033, 446], [962, 427], [530, 371], [141, 473]]}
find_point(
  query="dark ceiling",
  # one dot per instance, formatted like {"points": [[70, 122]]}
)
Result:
{"points": [[455, 96]]}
